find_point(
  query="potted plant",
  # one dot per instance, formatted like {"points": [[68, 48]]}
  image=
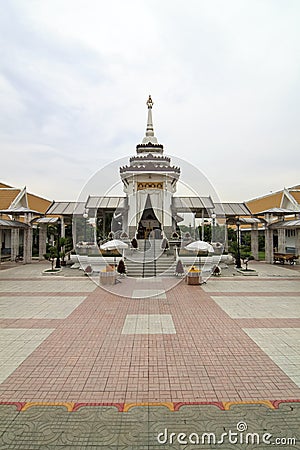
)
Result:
{"points": [[164, 245], [121, 269], [51, 256], [246, 260], [134, 243], [179, 271], [62, 243]]}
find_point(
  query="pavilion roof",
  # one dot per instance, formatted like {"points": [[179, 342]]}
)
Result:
{"points": [[192, 204], [20, 210], [66, 208], [12, 224], [47, 220], [286, 224], [230, 209], [104, 202]]}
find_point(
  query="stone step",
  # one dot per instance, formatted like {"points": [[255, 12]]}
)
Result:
{"points": [[138, 269]]}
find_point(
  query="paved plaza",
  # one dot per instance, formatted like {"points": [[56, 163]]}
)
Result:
{"points": [[84, 367]]}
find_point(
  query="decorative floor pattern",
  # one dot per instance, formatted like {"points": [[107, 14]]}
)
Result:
{"points": [[147, 427]]}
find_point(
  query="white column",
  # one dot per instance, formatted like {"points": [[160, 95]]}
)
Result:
{"points": [[254, 241], [14, 243], [62, 227], [194, 225], [42, 240], [281, 240], [225, 237], [297, 245], [202, 226], [0, 244], [269, 250], [27, 257]]}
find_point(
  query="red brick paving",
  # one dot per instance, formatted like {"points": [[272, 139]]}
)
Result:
{"points": [[87, 359]]}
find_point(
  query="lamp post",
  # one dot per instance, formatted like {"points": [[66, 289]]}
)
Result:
{"points": [[85, 216], [238, 256], [57, 265], [213, 217]]}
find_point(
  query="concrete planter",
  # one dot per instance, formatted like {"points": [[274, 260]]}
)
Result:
{"points": [[108, 278], [49, 273], [247, 273]]}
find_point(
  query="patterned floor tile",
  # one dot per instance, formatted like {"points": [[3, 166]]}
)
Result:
{"points": [[148, 293], [38, 307], [16, 345], [259, 307], [282, 346], [148, 324]]}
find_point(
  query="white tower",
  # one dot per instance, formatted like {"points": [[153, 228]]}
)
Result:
{"points": [[149, 184]]}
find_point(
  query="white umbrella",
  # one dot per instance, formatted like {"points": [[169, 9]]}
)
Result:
{"points": [[200, 246], [114, 244]]}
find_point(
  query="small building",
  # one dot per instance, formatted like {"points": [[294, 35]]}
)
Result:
{"points": [[280, 220], [18, 210]]}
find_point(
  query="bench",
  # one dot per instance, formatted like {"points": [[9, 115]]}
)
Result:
{"points": [[281, 258], [5, 258]]}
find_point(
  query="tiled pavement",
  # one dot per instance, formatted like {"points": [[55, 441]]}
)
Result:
{"points": [[66, 340]]}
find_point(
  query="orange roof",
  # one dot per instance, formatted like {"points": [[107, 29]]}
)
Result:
{"points": [[38, 203], [296, 195], [7, 196], [3, 185], [268, 201]]}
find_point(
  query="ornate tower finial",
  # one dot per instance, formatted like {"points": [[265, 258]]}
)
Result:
{"points": [[149, 102], [149, 137]]}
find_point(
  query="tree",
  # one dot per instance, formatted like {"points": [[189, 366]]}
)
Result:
{"points": [[261, 242], [206, 232]]}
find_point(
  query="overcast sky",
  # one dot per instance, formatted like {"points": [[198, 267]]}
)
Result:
{"points": [[224, 77]]}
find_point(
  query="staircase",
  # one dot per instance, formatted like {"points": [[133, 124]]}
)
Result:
{"points": [[149, 260]]}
